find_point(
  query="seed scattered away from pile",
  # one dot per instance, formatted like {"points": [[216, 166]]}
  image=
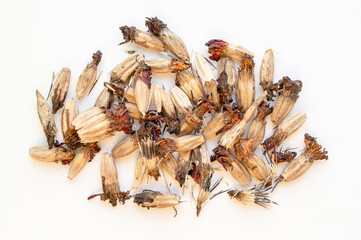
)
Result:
{"points": [[229, 100]]}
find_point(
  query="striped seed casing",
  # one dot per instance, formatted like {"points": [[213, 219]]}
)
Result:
{"points": [[246, 84], [60, 89]]}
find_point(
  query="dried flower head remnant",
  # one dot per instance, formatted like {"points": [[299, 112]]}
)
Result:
{"points": [[200, 105]]}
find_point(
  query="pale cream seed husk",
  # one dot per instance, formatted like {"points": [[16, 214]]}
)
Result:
{"points": [[78, 163], [174, 44], [296, 168], [188, 142], [124, 147], [180, 101], [142, 96]]}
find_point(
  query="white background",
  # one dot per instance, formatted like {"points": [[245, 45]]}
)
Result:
{"points": [[318, 42]]}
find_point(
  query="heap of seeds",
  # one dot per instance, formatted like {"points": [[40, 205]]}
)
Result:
{"points": [[124, 105]]}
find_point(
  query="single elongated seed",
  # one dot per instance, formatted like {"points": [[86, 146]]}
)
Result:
{"points": [[156, 199], [288, 91], [169, 38], [88, 77], [267, 70], [285, 129], [313, 151], [218, 48], [258, 126], [84, 155], [105, 99], [123, 71], [142, 88], [124, 147], [70, 135], [246, 84], [227, 65], [110, 184], [180, 101], [230, 137], [140, 172], [46, 118], [60, 89], [142, 38], [191, 85], [163, 65], [44, 154]]}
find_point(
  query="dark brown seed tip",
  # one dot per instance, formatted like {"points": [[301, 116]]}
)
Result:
{"points": [[263, 111], [144, 73], [155, 25], [128, 34], [216, 48], [97, 57]]}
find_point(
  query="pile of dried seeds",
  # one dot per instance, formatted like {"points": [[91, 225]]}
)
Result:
{"points": [[124, 104]]}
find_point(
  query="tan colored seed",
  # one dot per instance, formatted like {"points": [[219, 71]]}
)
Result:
{"points": [[124, 147], [190, 84], [219, 48], [267, 69], [180, 101], [188, 142], [44, 154], [123, 71], [60, 89], [227, 65], [163, 65], [142, 38], [156, 199], [230, 137], [169, 38], [46, 118], [88, 77], [105, 99], [246, 84]]}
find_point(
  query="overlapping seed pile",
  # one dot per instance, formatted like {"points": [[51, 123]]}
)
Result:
{"points": [[124, 105]]}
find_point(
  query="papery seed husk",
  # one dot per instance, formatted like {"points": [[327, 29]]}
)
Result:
{"points": [[163, 101], [123, 71], [214, 125], [46, 118], [88, 77], [256, 166], [124, 147], [60, 89], [169, 38], [55, 154], [245, 92], [105, 99], [227, 65], [258, 126], [142, 38], [240, 173], [110, 184], [130, 95], [190, 85], [140, 172], [188, 142], [218, 48], [163, 65], [313, 151], [169, 165], [156, 199], [133, 111], [230, 137], [288, 91], [203, 68], [180, 101], [70, 112], [143, 88], [267, 70], [84, 155], [211, 89], [285, 129]]}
